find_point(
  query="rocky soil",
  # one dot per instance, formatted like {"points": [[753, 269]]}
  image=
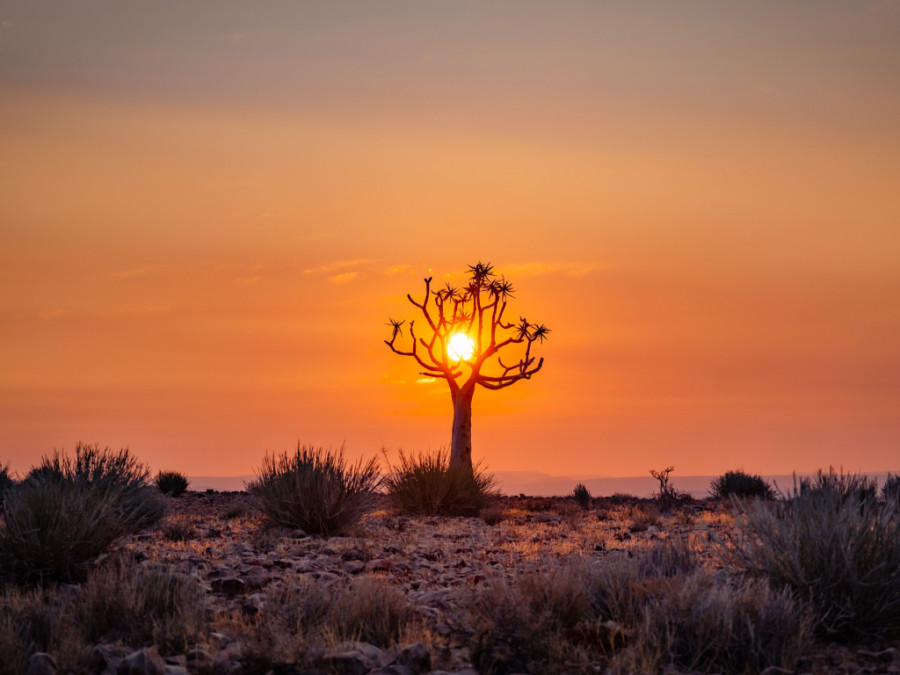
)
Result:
{"points": [[218, 540]]}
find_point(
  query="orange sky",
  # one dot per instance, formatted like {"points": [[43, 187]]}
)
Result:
{"points": [[208, 212]]}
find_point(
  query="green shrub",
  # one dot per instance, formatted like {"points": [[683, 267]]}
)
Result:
{"points": [[119, 475], [172, 483], [52, 529], [741, 485], [426, 484], [836, 548], [315, 489], [582, 496]]}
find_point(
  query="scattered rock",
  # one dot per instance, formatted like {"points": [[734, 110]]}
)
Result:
{"points": [[147, 661], [40, 663], [230, 586], [416, 657]]}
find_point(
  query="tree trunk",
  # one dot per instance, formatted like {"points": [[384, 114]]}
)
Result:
{"points": [[461, 440]]}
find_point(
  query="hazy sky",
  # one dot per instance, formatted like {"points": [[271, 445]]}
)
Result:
{"points": [[208, 210]]}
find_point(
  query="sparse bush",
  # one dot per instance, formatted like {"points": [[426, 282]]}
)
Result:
{"points": [[172, 483], [890, 491], [315, 489], [742, 485], [836, 548], [6, 481], [492, 514], [582, 496], [656, 610], [141, 607], [369, 610], [52, 529], [426, 484], [668, 496], [119, 475], [35, 620], [643, 516], [839, 487], [177, 529]]}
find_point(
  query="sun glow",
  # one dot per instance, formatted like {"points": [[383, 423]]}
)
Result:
{"points": [[460, 347]]}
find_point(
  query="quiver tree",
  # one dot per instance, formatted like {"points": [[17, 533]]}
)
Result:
{"points": [[465, 330]]}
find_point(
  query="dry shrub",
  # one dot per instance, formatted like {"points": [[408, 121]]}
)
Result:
{"points": [[117, 474], [426, 484], [34, 621], [369, 610], [640, 614], [834, 546], [315, 490], [742, 485], [52, 529], [125, 602], [493, 514], [172, 483], [644, 516]]}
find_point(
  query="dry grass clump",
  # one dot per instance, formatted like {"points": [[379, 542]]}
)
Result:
{"points": [[118, 603], [836, 547], [890, 491], [659, 609], [69, 510], [6, 481], [51, 530], [426, 484], [172, 483], [741, 485], [138, 606], [315, 490], [117, 474], [300, 620]]}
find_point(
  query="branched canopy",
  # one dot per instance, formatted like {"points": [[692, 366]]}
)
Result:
{"points": [[476, 310]]}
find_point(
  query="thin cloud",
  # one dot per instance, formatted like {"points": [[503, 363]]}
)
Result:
{"points": [[534, 269], [248, 281], [338, 267], [344, 278]]}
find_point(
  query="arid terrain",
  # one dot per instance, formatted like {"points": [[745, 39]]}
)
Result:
{"points": [[401, 595]]}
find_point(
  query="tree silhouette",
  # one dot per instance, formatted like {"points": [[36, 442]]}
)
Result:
{"points": [[477, 312]]}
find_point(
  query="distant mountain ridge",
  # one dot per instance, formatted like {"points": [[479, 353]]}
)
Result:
{"points": [[538, 484]]}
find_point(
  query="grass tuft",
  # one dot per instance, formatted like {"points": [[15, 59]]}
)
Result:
{"points": [[172, 483], [836, 547], [741, 485], [426, 484], [316, 490]]}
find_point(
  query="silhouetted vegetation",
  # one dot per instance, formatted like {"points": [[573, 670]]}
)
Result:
{"points": [[6, 481], [582, 496], [836, 547], [427, 484], [890, 491], [656, 610], [118, 475], [69, 510], [315, 489], [741, 485], [172, 483]]}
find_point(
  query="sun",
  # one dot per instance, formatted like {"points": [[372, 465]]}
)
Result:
{"points": [[460, 347]]}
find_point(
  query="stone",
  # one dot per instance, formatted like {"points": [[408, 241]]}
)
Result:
{"points": [[176, 670], [230, 586], [103, 656], [354, 566], [416, 657], [395, 669], [146, 661], [40, 663]]}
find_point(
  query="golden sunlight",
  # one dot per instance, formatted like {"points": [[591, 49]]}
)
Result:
{"points": [[460, 347]]}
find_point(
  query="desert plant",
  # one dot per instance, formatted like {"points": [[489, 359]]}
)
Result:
{"points": [[36, 620], [172, 483], [52, 529], [741, 485], [369, 610], [140, 607], [119, 475], [315, 489], [6, 483], [582, 496], [890, 491], [833, 546], [667, 496], [427, 484], [838, 487]]}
